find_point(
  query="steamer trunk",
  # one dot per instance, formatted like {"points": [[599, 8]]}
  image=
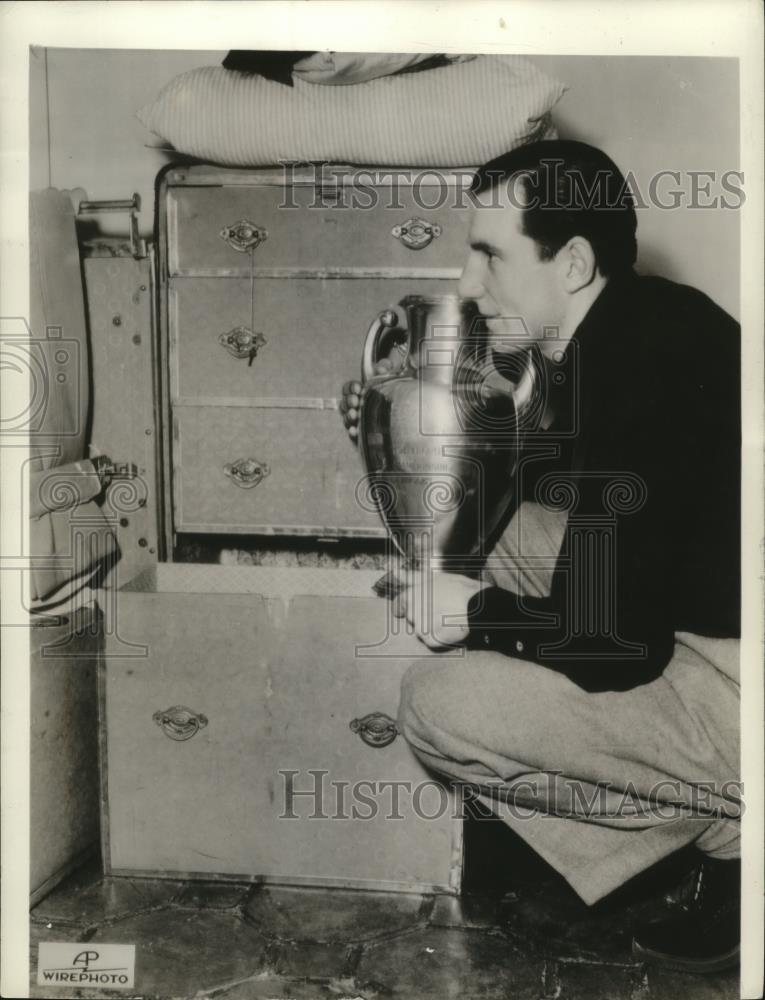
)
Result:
{"points": [[268, 284], [270, 781], [248, 712]]}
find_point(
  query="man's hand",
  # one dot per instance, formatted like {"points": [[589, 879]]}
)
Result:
{"points": [[349, 409], [349, 404], [351, 393], [432, 597]]}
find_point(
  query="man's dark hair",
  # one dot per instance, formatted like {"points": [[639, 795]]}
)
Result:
{"points": [[569, 189]]}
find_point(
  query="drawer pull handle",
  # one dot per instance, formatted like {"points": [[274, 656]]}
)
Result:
{"points": [[241, 342], [244, 236], [246, 472], [179, 722], [416, 233], [376, 729]]}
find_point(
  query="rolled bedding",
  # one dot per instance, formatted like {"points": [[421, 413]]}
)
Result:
{"points": [[461, 114]]}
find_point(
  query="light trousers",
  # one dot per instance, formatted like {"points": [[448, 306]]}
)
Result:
{"points": [[601, 785]]}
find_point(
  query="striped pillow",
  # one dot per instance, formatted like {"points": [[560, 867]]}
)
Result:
{"points": [[457, 115]]}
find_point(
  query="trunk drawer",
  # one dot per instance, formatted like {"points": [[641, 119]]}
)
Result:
{"points": [[310, 472], [304, 232], [314, 333], [272, 667]]}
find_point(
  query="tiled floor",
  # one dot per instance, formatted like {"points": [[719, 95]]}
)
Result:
{"points": [[243, 942]]}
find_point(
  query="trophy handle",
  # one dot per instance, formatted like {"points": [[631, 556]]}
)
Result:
{"points": [[385, 321]]}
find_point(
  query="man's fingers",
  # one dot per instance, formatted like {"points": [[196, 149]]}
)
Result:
{"points": [[383, 367], [348, 406]]}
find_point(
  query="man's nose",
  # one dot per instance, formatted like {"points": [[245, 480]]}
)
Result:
{"points": [[470, 285]]}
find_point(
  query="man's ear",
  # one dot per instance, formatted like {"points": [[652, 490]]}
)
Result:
{"points": [[578, 263]]}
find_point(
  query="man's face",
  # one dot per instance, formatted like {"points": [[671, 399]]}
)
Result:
{"points": [[518, 293]]}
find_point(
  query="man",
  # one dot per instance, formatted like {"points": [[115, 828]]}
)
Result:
{"points": [[603, 662]]}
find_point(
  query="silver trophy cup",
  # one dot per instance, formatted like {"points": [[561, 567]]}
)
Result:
{"points": [[439, 438]]}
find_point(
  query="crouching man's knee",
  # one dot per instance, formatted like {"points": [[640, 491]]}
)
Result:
{"points": [[413, 712], [431, 700], [442, 721]]}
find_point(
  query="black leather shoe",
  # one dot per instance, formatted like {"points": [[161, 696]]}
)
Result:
{"points": [[701, 931]]}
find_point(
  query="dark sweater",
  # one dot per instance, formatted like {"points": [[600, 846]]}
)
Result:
{"points": [[657, 404]]}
